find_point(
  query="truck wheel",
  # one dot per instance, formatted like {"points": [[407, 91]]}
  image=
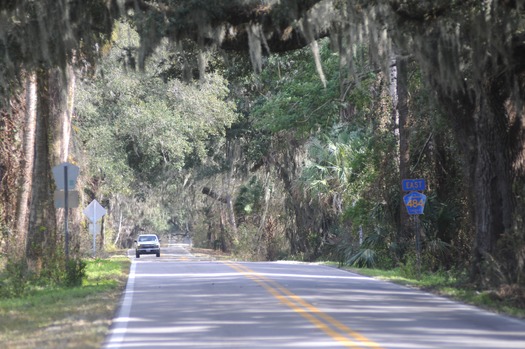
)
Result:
{"points": [[158, 254]]}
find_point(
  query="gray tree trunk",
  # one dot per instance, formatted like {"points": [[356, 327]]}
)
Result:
{"points": [[62, 88], [41, 239], [52, 133], [483, 133], [26, 167]]}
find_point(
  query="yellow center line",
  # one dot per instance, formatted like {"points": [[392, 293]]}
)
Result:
{"points": [[306, 310], [326, 317], [319, 324]]}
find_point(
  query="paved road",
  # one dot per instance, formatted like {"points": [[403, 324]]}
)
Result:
{"points": [[181, 301]]}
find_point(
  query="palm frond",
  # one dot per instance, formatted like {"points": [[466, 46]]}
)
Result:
{"points": [[363, 258]]}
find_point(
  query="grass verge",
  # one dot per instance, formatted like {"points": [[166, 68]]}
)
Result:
{"points": [[506, 300], [59, 317]]}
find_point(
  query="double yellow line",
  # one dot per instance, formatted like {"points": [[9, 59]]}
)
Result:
{"points": [[326, 323]]}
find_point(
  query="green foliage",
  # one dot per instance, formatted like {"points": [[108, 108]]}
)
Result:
{"points": [[365, 257], [15, 280], [245, 244], [452, 283], [295, 98], [341, 163], [348, 167], [377, 250], [248, 200], [349, 162], [410, 269], [143, 122], [148, 125], [75, 272], [102, 271], [142, 130], [27, 319]]}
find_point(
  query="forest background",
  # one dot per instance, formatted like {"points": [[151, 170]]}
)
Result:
{"points": [[267, 129]]}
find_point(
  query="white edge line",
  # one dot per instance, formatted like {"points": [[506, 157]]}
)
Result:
{"points": [[120, 323]]}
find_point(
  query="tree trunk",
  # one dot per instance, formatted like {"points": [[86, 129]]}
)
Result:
{"points": [[61, 95], [25, 182], [224, 237], [482, 130], [306, 217], [405, 232], [261, 231], [232, 155], [494, 199], [52, 133], [41, 239], [119, 229], [102, 234]]}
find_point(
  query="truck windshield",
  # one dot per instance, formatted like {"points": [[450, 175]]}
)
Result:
{"points": [[146, 238]]}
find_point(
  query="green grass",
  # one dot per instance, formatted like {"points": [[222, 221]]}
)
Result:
{"points": [[452, 286], [57, 317]]}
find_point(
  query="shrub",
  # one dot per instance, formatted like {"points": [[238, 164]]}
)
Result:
{"points": [[75, 273], [410, 269], [15, 280]]}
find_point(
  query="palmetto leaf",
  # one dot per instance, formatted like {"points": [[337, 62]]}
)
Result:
{"points": [[363, 258]]}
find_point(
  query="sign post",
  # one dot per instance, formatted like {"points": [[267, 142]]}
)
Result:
{"points": [[94, 212], [66, 211], [415, 204], [65, 179]]}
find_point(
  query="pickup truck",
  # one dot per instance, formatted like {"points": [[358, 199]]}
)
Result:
{"points": [[147, 244]]}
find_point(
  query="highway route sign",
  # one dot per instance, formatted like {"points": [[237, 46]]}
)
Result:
{"points": [[415, 202]]}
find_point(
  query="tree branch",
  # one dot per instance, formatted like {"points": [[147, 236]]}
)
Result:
{"points": [[275, 19]]}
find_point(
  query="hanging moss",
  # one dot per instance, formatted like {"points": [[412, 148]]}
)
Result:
{"points": [[48, 33]]}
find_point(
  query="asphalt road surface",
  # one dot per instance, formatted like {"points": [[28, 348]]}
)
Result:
{"points": [[182, 301]]}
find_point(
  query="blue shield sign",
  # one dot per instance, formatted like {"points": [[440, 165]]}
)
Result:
{"points": [[415, 202]]}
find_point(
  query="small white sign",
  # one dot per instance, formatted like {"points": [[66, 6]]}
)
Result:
{"points": [[60, 199], [94, 211], [92, 228]]}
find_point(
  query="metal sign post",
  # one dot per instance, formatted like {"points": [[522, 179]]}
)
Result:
{"points": [[66, 209], [418, 246], [65, 179], [94, 231]]}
